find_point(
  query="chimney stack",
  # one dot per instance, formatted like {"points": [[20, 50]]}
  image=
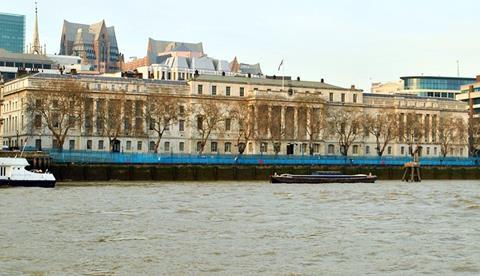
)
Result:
{"points": [[322, 81], [353, 87], [478, 78], [298, 78]]}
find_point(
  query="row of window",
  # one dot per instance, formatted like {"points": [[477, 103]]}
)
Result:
{"points": [[389, 150], [331, 97], [228, 90], [25, 65]]}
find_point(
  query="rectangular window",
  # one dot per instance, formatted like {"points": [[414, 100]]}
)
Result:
{"points": [[402, 150], [71, 145], [89, 144], [367, 150], [264, 147], [227, 91], [38, 121], [304, 148], [166, 123], [354, 98], [200, 89], [181, 146], [166, 146], [228, 147], [330, 97], [214, 90], [129, 145], [228, 123], [343, 97], [100, 144], [181, 125], [213, 147], [316, 148], [139, 145], [181, 110], [242, 91], [199, 122], [151, 146], [389, 150]]}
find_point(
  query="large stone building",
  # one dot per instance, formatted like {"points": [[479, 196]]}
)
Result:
{"points": [[281, 113], [96, 44], [12, 32]]}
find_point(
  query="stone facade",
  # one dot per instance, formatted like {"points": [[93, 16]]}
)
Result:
{"points": [[289, 104]]}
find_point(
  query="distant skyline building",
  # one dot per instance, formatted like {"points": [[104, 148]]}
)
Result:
{"points": [[173, 60], [12, 32], [96, 44], [424, 86]]}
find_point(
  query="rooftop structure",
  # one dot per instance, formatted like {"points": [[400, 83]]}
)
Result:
{"points": [[424, 86], [12, 63], [158, 48]]}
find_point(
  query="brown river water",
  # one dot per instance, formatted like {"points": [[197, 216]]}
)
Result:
{"points": [[241, 228]]}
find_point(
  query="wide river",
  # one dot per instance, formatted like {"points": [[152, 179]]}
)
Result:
{"points": [[246, 228]]}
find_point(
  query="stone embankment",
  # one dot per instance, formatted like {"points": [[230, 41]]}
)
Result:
{"points": [[239, 173]]}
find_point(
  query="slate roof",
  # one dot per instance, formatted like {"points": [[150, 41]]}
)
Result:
{"points": [[269, 82], [83, 33]]}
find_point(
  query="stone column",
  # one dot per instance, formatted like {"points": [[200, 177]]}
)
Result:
{"points": [[295, 125]]}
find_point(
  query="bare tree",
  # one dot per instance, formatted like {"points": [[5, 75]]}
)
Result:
{"points": [[244, 113], [59, 105], [384, 127], [451, 131], [313, 111], [163, 112], [268, 121], [412, 132], [344, 124], [474, 136], [317, 129], [110, 117], [209, 116]]}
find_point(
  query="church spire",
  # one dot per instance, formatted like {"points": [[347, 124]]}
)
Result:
{"points": [[36, 47]]}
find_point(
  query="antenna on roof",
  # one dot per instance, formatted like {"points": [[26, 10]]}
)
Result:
{"points": [[458, 68]]}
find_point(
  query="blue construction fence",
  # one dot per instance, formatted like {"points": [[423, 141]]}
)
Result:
{"points": [[95, 157]]}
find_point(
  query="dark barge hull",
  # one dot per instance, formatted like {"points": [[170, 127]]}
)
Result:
{"points": [[25, 183], [321, 179]]}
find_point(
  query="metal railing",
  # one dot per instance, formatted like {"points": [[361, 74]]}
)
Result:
{"points": [[96, 157]]}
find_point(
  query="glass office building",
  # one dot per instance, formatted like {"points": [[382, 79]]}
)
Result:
{"points": [[12, 32], [435, 87]]}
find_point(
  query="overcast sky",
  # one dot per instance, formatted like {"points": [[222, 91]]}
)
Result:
{"points": [[344, 41]]}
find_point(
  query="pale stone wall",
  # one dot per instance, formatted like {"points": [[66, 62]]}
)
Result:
{"points": [[290, 107]]}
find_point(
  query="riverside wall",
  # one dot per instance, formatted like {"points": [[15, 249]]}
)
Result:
{"points": [[237, 173]]}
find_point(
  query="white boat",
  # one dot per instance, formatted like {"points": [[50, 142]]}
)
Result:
{"points": [[13, 173]]}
